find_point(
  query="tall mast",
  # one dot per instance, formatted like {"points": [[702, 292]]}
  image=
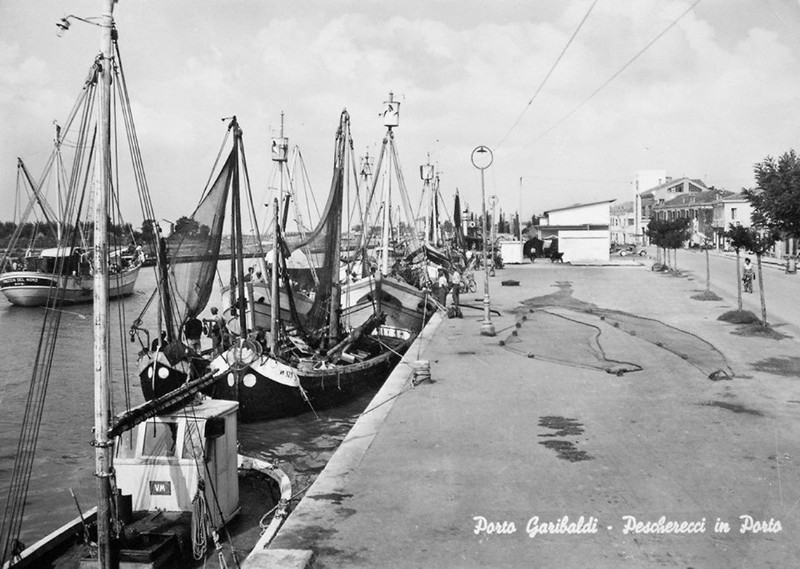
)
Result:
{"points": [[238, 238], [102, 184]]}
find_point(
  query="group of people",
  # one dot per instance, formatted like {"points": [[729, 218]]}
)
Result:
{"points": [[194, 328], [444, 285]]}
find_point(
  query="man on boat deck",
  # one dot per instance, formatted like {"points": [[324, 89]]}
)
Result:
{"points": [[216, 328], [193, 329], [249, 276]]}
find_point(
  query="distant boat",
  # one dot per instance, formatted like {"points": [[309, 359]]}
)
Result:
{"points": [[66, 271]]}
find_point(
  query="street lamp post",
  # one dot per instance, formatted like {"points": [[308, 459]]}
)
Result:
{"points": [[482, 159]]}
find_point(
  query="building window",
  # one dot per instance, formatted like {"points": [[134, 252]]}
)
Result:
{"points": [[733, 213]]}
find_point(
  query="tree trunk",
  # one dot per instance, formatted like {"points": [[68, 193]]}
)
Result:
{"points": [[738, 280], [761, 292], [708, 273]]}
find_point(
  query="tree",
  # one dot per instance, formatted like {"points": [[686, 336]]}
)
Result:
{"points": [[740, 238], [668, 234], [776, 197], [186, 226], [761, 241]]}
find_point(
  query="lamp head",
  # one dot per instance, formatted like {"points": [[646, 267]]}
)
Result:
{"points": [[62, 25]]}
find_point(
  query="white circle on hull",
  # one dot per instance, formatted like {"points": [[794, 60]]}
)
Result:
{"points": [[231, 380], [249, 380], [163, 373]]}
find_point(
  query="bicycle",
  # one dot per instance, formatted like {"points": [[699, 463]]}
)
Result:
{"points": [[747, 279], [469, 282]]}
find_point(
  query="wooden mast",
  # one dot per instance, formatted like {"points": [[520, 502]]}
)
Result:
{"points": [[102, 184], [275, 305]]}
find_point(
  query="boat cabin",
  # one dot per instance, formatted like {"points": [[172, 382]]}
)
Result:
{"points": [[161, 461]]}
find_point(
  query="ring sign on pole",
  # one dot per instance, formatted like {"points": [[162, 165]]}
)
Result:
{"points": [[482, 157]]}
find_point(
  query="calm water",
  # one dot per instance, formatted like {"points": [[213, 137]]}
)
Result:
{"points": [[301, 446]]}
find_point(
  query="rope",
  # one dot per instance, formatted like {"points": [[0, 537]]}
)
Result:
{"points": [[199, 524]]}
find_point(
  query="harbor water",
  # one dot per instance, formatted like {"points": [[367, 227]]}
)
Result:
{"points": [[301, 445]]}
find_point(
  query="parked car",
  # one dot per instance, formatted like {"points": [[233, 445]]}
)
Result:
{"points": [[625, 249]]}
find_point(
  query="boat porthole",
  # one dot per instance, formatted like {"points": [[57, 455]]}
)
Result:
{"points": [[150, 372], [163, 372], [231, 380], [249, 380]]}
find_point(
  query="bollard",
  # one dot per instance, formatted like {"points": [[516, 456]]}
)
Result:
{"points": [[791, 265]]}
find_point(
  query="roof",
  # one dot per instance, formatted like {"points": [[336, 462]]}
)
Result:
{"points": [[695, 198], [577, 205], [680, 181]]}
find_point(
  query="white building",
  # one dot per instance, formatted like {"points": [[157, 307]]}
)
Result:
{"points": [[582, 230], [623, 223]]}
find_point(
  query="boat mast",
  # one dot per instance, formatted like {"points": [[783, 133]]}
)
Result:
{"points": [[238, 238], [102, 184], [275, 305]]}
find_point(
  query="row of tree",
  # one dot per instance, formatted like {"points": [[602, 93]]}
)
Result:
{"points": [[776, 215]]}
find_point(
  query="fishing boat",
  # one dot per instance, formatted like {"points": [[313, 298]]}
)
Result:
{"points": [[28, 279], [313, 363], [168, 478], [286, 183], [400, 287]]}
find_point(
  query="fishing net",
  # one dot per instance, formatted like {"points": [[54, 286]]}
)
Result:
{"points": [[194, 247]]}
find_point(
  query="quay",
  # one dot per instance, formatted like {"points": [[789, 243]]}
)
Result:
{"points": [[612, 421]]}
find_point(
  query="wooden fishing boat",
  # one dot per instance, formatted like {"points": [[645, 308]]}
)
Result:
{"points": [[168, 476], [313, 362], [66, 271]]}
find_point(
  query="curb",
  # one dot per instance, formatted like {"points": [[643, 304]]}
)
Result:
{"points": [[318, 508]]}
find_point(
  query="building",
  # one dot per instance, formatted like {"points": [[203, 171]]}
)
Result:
{"points": [[644, 180], [582, 230], [623, 223], [705, 209], [658, 195]]}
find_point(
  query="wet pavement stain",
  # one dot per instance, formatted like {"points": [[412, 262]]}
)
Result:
{"points": [[788, 366], [567, 451], [563, 427], [334, 497], [735, 407]]}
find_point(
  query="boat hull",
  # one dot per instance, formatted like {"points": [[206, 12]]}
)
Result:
{"points": [[406, 307], [271, 389], [28, 288], [259, 311]]}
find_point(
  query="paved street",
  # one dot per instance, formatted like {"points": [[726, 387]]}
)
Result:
{"points": [[782, 291], [587, 433]]}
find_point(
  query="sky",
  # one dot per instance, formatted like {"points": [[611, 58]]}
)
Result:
{"points": [[711, 96]]}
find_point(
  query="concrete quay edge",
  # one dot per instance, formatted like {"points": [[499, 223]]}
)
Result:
{"points": [[315, 509]]}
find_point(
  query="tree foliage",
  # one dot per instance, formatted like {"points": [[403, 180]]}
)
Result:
{"points": [[776, 197]]}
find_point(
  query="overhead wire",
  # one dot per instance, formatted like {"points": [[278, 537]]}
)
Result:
{"points": [[620, 70], [549, 73]]}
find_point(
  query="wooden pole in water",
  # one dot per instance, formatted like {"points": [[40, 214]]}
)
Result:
{"points": [[102, 184]]}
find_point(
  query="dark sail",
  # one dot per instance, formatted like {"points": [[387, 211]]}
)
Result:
{"points": [[459, 235], [198, 240], [325, 239]]}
